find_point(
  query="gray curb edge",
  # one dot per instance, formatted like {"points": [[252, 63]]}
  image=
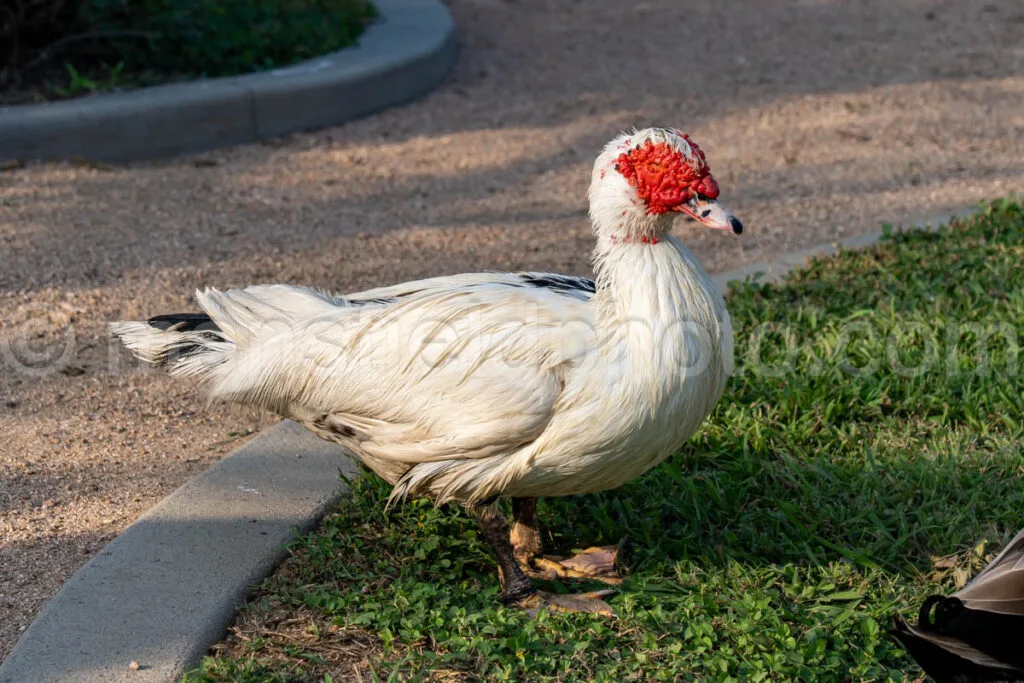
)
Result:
{"points": [[405, 54], [166, 589]]}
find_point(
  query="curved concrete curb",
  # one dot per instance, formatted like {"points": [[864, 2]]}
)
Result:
{"points": [[405, 54], [167, 588]]}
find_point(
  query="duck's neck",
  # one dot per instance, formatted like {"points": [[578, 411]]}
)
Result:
{"points": [[651, 277]]}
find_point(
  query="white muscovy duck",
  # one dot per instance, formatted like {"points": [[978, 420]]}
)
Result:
{"points": [[483, 386]]}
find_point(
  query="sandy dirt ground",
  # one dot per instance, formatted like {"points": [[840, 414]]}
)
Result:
{"points": [[821, 118]]}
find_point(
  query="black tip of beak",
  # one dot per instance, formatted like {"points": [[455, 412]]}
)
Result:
{"points": [[737, 227]]}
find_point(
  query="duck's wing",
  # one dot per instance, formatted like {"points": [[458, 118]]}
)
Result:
{"points": [[975, 634], [424, 373], [440, 370], [273, 301], [574, 286]]}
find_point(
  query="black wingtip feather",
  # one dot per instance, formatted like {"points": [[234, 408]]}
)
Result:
{"points": [[559, 282], [184, 322]]}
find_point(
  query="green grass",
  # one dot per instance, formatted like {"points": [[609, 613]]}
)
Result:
{"points": [[865, 434]]}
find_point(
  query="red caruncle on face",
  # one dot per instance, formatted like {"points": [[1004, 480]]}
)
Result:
{"points": [[663, 177]]}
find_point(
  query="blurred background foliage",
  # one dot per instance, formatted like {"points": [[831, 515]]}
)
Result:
{"points": [[58, 48]]}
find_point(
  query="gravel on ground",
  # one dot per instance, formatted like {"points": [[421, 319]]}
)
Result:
{"points": [[820, 118]]}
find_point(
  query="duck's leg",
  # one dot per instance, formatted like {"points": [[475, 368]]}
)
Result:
{"points": [[516, 588], [593, 563], [525, 534]]}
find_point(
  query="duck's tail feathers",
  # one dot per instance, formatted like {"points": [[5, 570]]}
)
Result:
{"points": [[248, 345], [199, 344], [186, 344]]}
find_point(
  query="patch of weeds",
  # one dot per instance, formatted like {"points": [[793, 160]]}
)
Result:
{"points": [[80, 85], [868, 445]]}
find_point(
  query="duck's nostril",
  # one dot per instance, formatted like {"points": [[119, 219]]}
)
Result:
{"points": [[737, 227], [705, 213]]}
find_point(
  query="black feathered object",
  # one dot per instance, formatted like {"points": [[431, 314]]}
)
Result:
{"points": [[975, 635]]}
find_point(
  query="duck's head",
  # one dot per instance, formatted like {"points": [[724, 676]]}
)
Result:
{"points": [[642, 180]]}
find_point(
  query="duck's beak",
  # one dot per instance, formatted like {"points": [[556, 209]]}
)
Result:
{"points": [[711, 214]]}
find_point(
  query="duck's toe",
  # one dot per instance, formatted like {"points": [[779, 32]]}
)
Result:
{"points": [[597, 564], [591, 603]]}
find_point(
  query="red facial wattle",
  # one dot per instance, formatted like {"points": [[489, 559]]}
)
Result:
{"points": [[663, 178], [708, 187]]}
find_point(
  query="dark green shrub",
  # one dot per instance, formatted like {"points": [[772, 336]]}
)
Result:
{"points": [[68, 47], [27, 26], [225, 37]]}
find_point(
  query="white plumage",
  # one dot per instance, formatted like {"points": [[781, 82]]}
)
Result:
{"points": [[476, 385], [486, 385]]}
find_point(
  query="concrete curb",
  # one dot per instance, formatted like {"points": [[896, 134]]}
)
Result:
{"points": [[167, 588], [404, 55]]}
